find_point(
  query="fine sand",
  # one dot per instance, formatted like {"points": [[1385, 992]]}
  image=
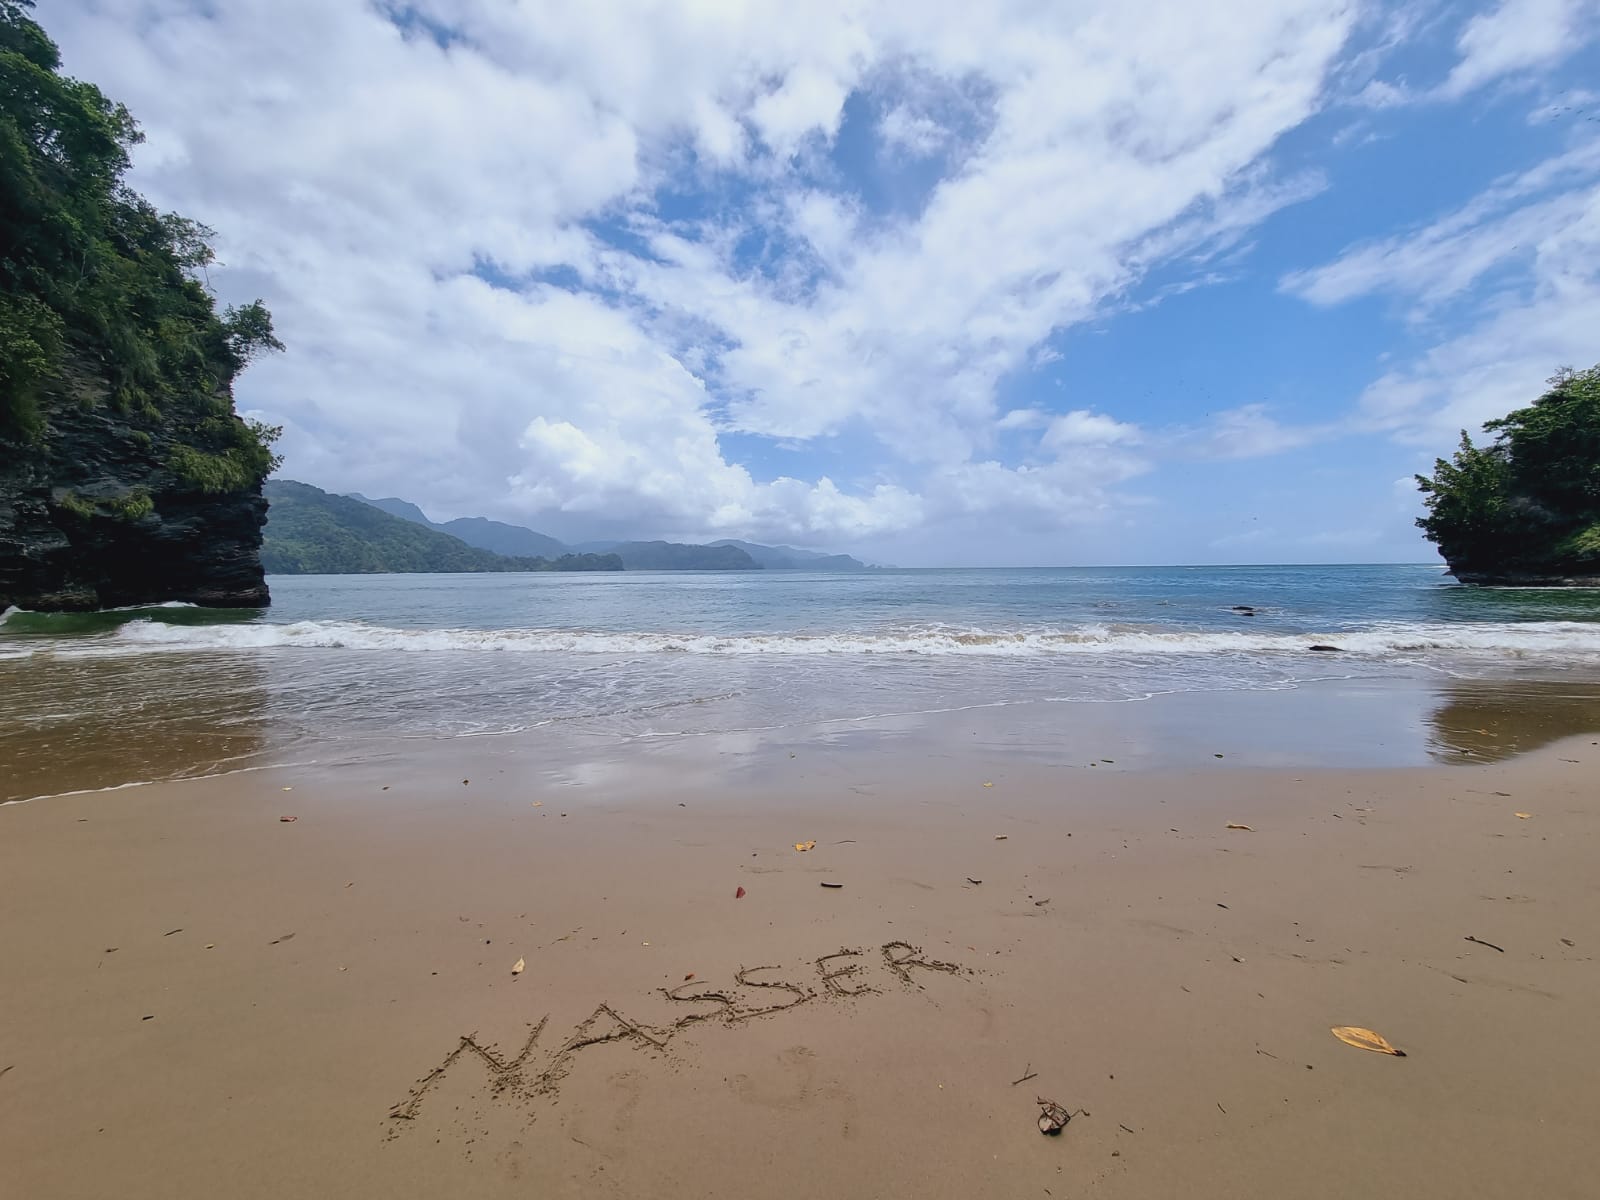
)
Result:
{"points": [[203, 1000]]}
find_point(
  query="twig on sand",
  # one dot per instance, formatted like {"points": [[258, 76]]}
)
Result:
{"points": [[1027, 1073], [1481, 942]]}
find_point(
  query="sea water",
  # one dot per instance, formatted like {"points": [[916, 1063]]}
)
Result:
{"points": [[647, 654]]}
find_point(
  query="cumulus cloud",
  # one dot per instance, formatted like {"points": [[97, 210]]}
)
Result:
{"points": [[554, 258]]}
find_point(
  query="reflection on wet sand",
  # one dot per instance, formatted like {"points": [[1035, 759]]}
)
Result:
{"points": [[1482, 721], [80, 724], [74, 724]]}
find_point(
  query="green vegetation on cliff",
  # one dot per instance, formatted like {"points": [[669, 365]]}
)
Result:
{"points": [[125, 474], [92, 276], [1526, 506], [312, 532]]}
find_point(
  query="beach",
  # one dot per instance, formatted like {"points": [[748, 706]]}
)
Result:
{"points": [[203, 998]]}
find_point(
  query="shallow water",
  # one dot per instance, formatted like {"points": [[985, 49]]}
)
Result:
{"points": [[99, 699]]}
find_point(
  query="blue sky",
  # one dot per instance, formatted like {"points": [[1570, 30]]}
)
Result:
{"points": [[1115, 281]]}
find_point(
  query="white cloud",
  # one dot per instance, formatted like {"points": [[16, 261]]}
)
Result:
{"points": [[1531, 245], [1023, 418], [1249, 431], [1083, 428], [1444, 258], [1518, 36], [912, 133], [491, 306]]}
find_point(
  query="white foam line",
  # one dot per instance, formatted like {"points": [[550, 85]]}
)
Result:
{"points": [[138, 783], [1536, 638]]}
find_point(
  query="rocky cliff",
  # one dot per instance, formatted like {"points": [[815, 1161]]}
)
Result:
{"points": [[126, 477], [103, 509]]}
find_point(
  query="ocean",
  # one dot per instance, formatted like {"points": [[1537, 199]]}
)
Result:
{"points": [[93, 700]]}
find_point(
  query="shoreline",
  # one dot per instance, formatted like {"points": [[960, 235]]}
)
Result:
{"points": [[1336, 721], [1173, 977]]}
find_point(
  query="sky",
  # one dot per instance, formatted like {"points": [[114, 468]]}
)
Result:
{"points": [[1086, 282]]}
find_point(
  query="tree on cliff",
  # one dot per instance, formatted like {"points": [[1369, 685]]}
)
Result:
{"points": [[1528, 503], [92, 277]]}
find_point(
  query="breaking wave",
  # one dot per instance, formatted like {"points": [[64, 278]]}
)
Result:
{"points": [[1539, 639]]}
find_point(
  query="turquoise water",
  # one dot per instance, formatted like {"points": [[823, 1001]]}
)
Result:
{"points": [[650, 654]]}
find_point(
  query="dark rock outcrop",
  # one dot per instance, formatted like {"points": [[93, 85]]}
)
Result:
{"points": [[92, 516], [1529, 579]]}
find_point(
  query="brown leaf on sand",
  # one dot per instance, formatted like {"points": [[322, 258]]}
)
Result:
{"points": [[739, 894], [286, 820], [518, 967], [804, 846], [688, 977], [1365, 1039], [1522, 816], [1236, 825]]}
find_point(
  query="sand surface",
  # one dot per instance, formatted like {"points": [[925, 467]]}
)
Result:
{"points": [[202, 1000]]}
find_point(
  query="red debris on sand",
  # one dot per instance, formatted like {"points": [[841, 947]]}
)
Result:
{"points": [[288, 818], [739, 895]]}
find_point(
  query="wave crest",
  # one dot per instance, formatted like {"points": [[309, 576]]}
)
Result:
{"points": [[1532, 639]]}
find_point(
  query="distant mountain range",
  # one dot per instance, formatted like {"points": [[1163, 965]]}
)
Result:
{"points": [[312, 532], [728, 554], [494, 536]]}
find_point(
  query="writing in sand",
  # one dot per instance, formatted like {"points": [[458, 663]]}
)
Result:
{"points": [[842, 974]]}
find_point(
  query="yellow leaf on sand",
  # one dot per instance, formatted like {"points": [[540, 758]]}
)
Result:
{"points": [[1523, 816], [1365, 1039], [1234, 825], [804, 846], [519, 967], [988, 785]]}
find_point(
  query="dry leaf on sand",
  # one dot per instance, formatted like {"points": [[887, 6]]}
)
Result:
{"points": [[804, 846], [1523, 816], [1236, 825], [1365, 1039], [519, 967]]}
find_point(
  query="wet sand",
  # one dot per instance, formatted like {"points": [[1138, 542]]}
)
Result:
{"points": [[203, 1000]]}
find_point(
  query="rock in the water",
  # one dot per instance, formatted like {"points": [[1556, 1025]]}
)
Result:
{"points": [[1328, 649]]}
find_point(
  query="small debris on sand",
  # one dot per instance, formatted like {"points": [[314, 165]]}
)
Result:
{"points": [[1052, 1117]]}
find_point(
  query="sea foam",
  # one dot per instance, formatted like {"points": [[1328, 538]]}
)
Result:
{"points": [[1555, 639]]}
